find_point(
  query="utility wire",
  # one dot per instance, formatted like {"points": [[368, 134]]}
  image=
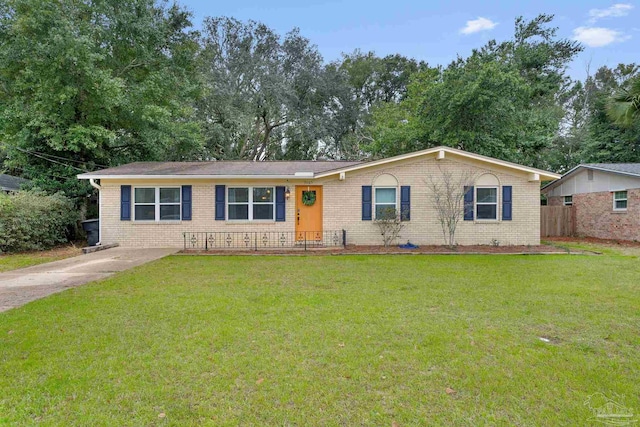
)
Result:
{"points": [[57, 157], [51, 160]]}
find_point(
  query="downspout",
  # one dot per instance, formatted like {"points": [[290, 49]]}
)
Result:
{"points": [[98, 187]]}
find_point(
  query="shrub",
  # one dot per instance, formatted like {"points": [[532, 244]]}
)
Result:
{"points": [[33, 220], [390, 223]]}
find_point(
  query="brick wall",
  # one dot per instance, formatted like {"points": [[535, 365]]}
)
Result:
{"points": [[342, 209], [595, 216]]}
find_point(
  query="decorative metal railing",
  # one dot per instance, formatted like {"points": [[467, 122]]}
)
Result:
{"points": [[256, 240]]}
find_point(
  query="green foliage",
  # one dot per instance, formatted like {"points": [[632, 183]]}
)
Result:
{"points": [[86, 84], [32, 220], [500, 101], [624, 106], [266, 97]]}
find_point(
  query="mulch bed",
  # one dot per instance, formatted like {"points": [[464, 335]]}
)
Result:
{"points": [[365, 250]]}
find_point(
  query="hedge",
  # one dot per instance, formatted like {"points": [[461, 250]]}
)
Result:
{"points": [[33, 220]]}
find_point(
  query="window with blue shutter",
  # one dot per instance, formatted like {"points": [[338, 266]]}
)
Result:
{"points": [[220, 190], [186, 203], [405, 203], [280, 204], [125, 203], [507, 203], [366, 202], [468, 203]]}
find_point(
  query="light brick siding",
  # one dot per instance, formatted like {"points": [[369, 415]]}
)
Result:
{"points": [[342, 208], [595, 216]]}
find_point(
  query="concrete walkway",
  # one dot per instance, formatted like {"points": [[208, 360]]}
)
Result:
{"points": [[18, 287]]}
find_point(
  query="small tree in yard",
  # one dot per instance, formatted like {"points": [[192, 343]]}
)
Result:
{"points": [[390, 223], [447, 196]]}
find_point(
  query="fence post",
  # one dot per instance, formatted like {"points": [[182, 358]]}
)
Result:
{"points": [[305, 240], [184, 237], [344, 238], [255, 240]]}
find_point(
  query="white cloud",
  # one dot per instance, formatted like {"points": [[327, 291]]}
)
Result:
{"points": [[480, 24], [598, 36], [615, 11]]}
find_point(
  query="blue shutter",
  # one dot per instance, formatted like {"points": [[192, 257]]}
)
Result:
{"points": [[366, 203], [125, 203], [186, 203], [507, 201], [405, 203], [220, 189], [468, 203], [280, 204]]}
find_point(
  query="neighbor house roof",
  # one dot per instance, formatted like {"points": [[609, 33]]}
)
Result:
{"points": [[629, 169], [284, 169], [11, 183]]}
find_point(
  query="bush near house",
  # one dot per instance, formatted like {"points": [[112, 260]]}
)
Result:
{"points": [[33, 220]]}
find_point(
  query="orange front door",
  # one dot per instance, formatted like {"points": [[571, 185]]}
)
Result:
{"points": [[308, 216]]}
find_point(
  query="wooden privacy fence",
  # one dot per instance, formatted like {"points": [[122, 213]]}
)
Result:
{"points": [[557, 221]]}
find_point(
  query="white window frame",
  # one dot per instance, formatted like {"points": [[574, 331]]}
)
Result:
{"points": [[157, 204], [251, 202], [626, 199], [497, 203], [375, 202], [567, 203]]}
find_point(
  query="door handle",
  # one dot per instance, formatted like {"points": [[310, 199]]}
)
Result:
{"points": [[298, 216]]}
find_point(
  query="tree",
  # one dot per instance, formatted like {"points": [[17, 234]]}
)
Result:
{"points": [[447, 191], [265, 97], [500, 101], [624, 105], [85, 84]]}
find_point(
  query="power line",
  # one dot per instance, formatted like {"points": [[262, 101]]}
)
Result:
{"points": [[58, 157], [51, 160]]}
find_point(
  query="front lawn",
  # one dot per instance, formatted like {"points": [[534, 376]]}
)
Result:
{"points": [[27, 259], [334, 340]]}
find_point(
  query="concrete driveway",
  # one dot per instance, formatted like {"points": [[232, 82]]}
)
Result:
{"points": [[18, 287]]}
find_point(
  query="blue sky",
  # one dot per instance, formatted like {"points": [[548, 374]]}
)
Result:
{"points": [[437, 31]]}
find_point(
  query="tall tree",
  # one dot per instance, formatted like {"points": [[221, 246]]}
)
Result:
{"points": [[266, 97], [500, 101], [87, 83]]}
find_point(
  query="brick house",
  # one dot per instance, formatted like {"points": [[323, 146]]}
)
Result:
{"points": [[171, 204], [605, 197]]}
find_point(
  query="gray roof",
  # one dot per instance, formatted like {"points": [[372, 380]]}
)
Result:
{"points": [[630, 169], [627, 168], [11, 183], [223, 168]]}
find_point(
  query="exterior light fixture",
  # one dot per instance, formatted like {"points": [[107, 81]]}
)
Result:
{"points": [[287, 193]]}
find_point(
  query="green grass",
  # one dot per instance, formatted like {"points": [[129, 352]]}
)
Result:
{"points": [[27, 259], [333, 340]]}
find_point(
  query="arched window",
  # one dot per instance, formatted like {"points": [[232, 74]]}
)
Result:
{"points": [[385, 196], [486, 198]]}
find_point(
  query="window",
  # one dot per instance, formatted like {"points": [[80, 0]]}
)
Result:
{"points": [[487, 203], [251, 203], [619, 200], [157, 204], [385, 202], [568, 200]]}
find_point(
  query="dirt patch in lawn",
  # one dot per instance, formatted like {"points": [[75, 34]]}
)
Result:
{"points": [[622, 247], [365, 250]]}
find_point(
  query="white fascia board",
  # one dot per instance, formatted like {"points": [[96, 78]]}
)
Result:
{"points": [[179, 177], [544, 175]]}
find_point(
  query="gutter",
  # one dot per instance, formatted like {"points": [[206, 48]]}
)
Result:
{"points": [[93, 183]]}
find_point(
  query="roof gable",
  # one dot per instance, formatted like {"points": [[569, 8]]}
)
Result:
{"points": [[628, 169]]}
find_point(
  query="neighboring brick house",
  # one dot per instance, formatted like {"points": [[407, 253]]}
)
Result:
{"points": [[605, 197], [154, 204]]}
